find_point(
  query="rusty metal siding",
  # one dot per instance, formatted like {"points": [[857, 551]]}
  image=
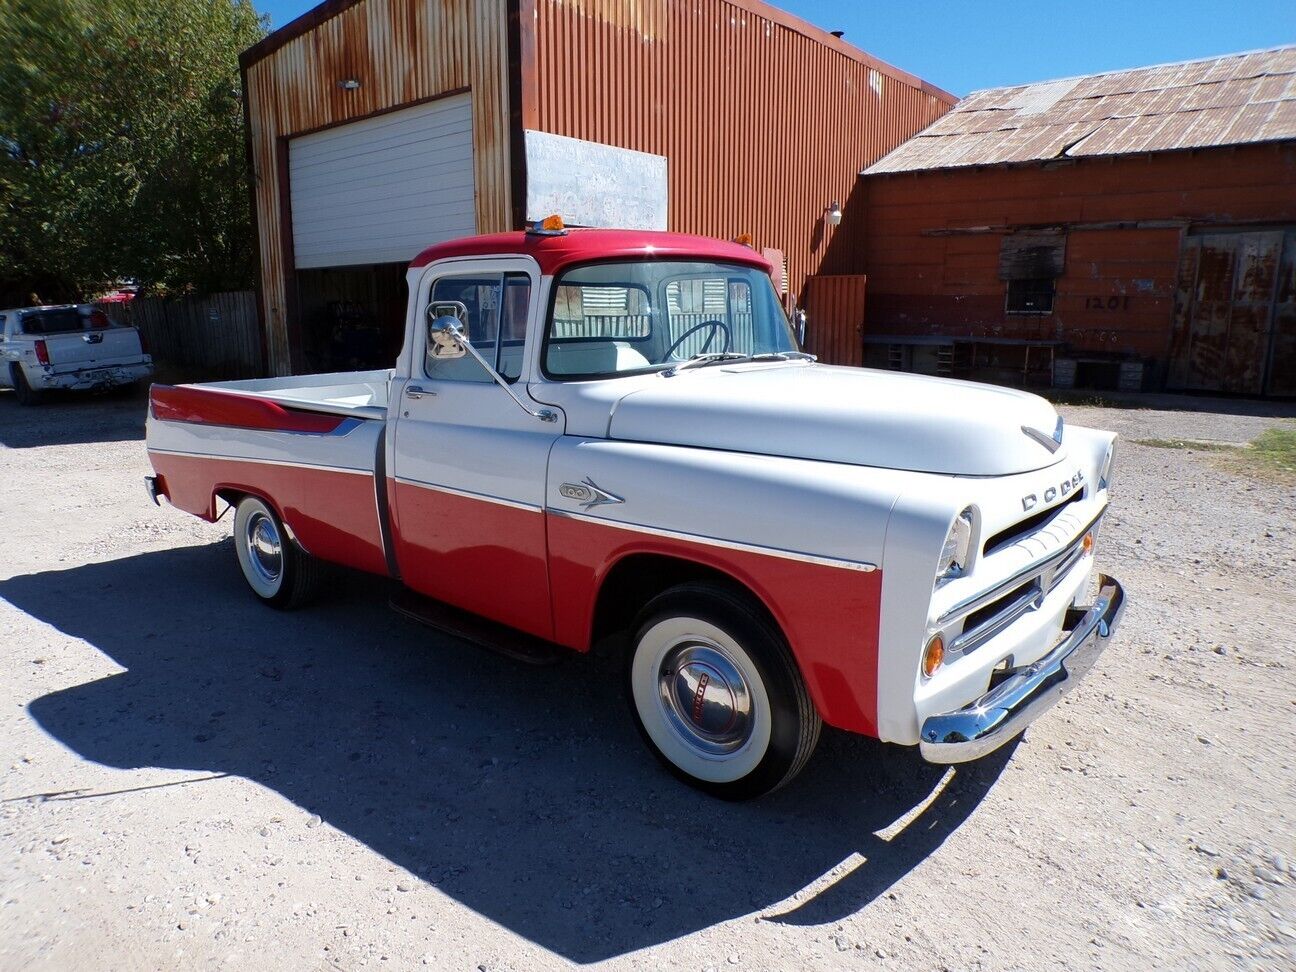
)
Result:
{"points": [[1282, 356], [402, 52], [764, 121], [835, 318], [933, 241], [1230, 314], [1236, 99]]}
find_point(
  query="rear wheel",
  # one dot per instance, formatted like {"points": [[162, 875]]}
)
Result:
{"points": [[24, 392], [716, 693], [279, 572]]}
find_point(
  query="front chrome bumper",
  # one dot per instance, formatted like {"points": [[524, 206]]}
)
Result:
{"points": [[1025, 693]]}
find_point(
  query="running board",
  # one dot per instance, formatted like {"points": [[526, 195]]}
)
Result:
{"points": [[479, 631]]}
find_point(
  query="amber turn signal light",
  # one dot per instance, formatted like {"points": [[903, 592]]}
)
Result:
{"points": [[934, 655], [1087, 544], [549, 226]]}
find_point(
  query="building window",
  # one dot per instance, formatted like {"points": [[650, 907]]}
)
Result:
{"points": [[1031, 295], [1029, 263]]}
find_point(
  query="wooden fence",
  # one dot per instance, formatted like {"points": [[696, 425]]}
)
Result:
{"points": [[216, 336]]}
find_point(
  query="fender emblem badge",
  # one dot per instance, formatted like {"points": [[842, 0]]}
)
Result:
{"points": [[587, 494]]}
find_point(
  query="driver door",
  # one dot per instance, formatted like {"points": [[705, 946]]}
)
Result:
{"points": [[468, 465]]}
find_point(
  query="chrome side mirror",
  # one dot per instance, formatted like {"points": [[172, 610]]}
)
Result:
{"points": [[799, 325], [446, 339]]}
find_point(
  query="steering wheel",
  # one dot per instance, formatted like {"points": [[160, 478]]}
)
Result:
{"points": [[714, 325]]}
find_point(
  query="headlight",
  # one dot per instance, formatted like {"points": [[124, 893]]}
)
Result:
{"points": [[958, 543], [1104, 475]]}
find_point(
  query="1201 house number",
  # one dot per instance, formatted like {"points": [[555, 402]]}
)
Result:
{"points": [[1107, 303]]}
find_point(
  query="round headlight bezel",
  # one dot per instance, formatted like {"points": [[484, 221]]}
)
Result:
{"points": [[956, 552], [1105, 471]]}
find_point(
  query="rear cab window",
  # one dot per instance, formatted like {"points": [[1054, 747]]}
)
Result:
{"points": [[63, 320]]}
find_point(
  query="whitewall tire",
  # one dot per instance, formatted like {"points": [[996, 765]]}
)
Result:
{"points": [[716, 694], [279, 572]]}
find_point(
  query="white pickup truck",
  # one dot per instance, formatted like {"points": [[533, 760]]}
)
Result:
{"points": [[602, 434], [71, 346]]}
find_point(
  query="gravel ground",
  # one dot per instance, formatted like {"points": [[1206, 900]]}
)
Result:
{"points": [[191, 780]]}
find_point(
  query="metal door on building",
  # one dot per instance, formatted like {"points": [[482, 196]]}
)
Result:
{"points": [[381, 189], [1234, 327], [834, 307]]}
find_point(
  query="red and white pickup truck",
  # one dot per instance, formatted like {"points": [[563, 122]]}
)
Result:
{"points": [[603, 433]]}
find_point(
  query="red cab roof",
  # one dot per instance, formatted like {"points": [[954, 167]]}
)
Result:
{"points": [[554, 253]]}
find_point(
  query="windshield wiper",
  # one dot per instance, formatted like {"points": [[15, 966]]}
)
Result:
{"points": [[704, 359], [783, 356], [719, 357]]}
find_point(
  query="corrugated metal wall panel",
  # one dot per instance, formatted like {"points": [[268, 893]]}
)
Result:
{"points": [[763, 124], [401, 52], [835, 318]]}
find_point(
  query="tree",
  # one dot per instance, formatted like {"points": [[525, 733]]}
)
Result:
{"points": [[122, 145]]}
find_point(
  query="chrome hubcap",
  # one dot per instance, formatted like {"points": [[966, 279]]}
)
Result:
{"points": [[705, 698], [264, 551]]}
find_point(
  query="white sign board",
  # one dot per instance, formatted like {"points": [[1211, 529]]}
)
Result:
{"points": [[591, 184]]}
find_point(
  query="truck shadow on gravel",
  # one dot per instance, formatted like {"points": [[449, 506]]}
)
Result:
{"points": [[522, 793]]}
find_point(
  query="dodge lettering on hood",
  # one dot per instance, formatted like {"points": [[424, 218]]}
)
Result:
{"points": [[598, 436]]}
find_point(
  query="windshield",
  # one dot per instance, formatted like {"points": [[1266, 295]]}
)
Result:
{"points": [[609, 319]]}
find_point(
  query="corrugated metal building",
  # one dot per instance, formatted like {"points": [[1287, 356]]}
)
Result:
{"points": [[377, 127], [1136, 228]]}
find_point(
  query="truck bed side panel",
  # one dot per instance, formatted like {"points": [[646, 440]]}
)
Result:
{"points": [[317, 471]]}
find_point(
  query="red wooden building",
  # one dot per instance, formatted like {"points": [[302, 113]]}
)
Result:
{"points": [[1131, 229]]}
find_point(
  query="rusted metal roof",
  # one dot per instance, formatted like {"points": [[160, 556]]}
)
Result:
{"points": [[1231, 100]]}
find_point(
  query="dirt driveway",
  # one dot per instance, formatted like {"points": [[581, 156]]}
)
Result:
{"points": [[192, 780]]}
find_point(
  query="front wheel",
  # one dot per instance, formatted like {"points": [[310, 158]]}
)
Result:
{"points": [[716, 693], [279, 572]]}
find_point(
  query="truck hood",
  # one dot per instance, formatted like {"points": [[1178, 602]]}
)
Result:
{"points": [[849, 415]]}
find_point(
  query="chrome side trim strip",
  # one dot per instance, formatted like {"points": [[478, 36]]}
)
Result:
{"points": [[804, 558], [970, 604], [345, 427], [467, 494], [264, 462]]}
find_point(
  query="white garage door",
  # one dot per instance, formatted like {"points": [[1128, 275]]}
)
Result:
{"points": [[382, 189]]}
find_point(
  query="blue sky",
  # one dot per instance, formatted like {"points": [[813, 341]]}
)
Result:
{"points": [[962, 46]]}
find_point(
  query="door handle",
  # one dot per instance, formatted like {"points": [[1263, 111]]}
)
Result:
{"points": [[418, 391]]}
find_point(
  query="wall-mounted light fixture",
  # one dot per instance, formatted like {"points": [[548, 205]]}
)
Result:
{"points": [[348, 84], [833, 214]]}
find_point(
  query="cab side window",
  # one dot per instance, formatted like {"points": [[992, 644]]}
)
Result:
{"points": [[492, 309], [476, 301]]}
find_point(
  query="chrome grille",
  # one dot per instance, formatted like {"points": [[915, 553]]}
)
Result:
{"points": [[994, 610]]}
